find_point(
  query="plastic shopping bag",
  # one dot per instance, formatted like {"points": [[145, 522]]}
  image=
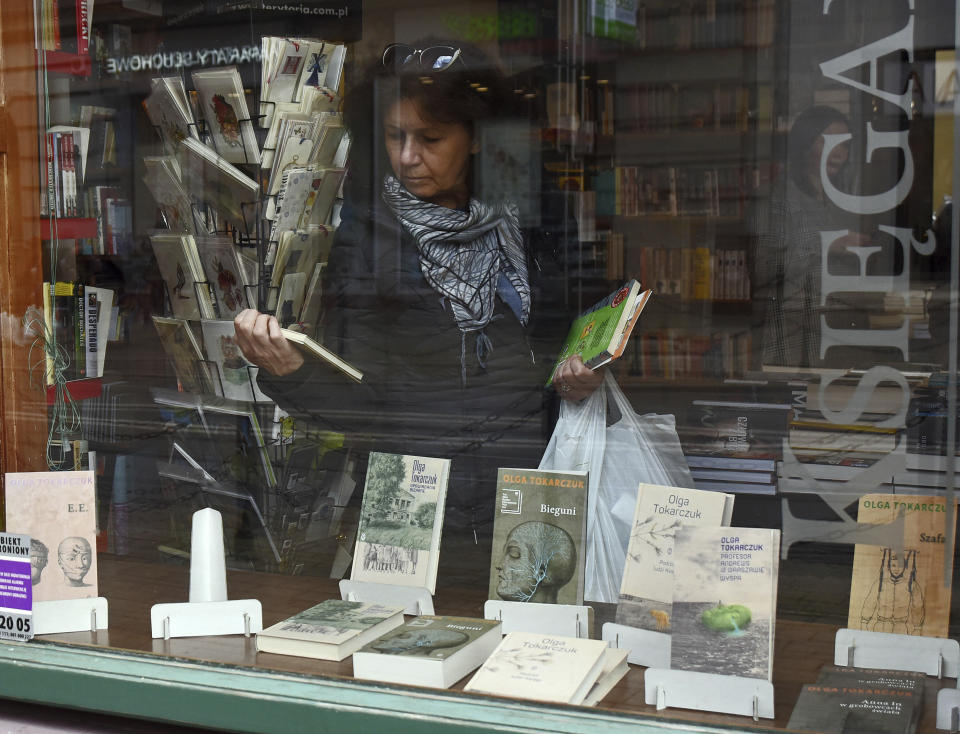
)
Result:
{"points": [[634, 449]]}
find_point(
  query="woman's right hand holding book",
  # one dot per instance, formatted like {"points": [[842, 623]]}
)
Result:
{"points": [[262, 342]]}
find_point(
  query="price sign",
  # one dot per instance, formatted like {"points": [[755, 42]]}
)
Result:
{"points": [[16, 591]]}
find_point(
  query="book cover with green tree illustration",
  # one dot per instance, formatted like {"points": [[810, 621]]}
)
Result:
{"points": [[401, 518], [539, 527]]}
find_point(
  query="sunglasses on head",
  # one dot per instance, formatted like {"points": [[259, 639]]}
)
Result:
{"points": [[435, 58]]}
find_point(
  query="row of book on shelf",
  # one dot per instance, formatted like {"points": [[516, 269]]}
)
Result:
{"points": [[637, 191], [670, 25], [662, 108], [696, 273], [667, 354]]}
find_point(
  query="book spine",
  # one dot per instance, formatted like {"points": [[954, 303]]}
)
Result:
{"points": [[83, 28], [80, 332], [92, 315]]}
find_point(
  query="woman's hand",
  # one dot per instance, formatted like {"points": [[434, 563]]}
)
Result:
{"points": [[575, 381], [261, 341]]}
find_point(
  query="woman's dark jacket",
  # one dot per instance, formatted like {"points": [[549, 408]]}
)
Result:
{"points": [[477, 399]]}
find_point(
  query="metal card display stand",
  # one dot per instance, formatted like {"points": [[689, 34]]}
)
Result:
{"points": [[724, 694], [69, 615], [415, 600], [937, 656], [644, 647], [569, 620], [208, 612]]}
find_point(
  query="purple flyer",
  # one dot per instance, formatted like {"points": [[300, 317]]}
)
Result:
{"points": [[15, 589]]}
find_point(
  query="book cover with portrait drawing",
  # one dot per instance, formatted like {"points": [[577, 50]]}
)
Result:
{"points": [[724, 600], [539, 528], [901, 589], [58, 511], [401, 517]]}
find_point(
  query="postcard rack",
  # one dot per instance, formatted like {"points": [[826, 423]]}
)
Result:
{"points": [[70, 615], [569, 620], [723, 694], [645, 647], [937, 656], [415, 600]]}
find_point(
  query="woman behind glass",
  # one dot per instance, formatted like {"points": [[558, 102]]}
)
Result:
{"points": [[436, 296]]}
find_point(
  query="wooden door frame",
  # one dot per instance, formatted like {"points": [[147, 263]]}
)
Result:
{"points": [[23, 426]]}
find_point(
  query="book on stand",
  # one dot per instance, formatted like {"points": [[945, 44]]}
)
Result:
{"points": [[724, 600], [428, 651], [646, 592], [331, 630], [401, 519], [58, 511], [901, 590], [539, 529]]}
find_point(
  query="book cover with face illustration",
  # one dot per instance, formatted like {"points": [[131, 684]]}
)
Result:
{"points": [[58, 511], [538, 532]]}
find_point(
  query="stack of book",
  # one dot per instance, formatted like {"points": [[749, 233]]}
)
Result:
{"points": [[637, 191], [732, 445], [670, 354]]}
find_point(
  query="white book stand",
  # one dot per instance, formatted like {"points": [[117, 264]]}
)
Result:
{"points": [[415, 600], [644, 647], [569, 620], [69, 615], [937, 656], [208, 612], [725, 694]]}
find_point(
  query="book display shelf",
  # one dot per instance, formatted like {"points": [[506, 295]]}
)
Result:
{"points": [[777, 175]]}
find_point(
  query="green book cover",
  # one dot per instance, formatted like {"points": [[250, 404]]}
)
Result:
{"points": [[600, 333], [433, 637], [332, 621], [538, 531]]}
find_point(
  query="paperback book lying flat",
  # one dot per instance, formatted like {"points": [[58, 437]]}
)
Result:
{"points": [[331, 630], [724, 600], [839, 709], [401, 518], [428, 651], [541, 667], [538, 532]]}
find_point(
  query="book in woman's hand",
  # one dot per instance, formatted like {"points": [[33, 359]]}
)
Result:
{"points": [[599, 334], [322, 353]]}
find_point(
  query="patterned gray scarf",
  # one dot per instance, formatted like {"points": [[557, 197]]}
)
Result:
{"points": [[462, 254]]}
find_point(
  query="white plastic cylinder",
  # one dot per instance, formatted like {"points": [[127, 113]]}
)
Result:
{"points": [[208, 569]]}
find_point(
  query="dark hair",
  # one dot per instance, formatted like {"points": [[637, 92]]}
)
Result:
{"points": [[809, 126], [471, 91]]}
